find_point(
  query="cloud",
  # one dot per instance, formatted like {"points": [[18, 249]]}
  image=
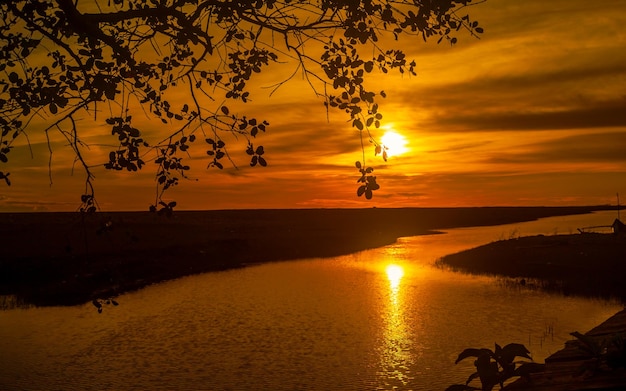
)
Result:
{"points": [[581, 148], [514, 188], [534, 68], [461, 146], [576, 95], [594, 115]]}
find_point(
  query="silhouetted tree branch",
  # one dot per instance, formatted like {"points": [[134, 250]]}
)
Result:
{"points": [[59, 58]]}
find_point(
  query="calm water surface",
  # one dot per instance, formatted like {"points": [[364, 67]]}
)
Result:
{"points": [[377, 320]]}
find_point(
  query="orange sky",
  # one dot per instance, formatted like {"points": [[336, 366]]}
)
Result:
{"points": [[533, 113]]}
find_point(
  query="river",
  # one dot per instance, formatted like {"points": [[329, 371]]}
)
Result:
{"points": [[381, 319]]}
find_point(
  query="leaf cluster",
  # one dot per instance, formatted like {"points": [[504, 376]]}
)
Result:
{"points": [[88, 203], [367, 181], [127, 155], [256, 155], [61, 60], [164, 209]]}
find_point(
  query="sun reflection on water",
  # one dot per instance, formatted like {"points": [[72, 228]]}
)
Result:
{"points": [[396, 358], [394, 274]]}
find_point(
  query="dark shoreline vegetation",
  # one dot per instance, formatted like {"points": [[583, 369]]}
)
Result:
{"points": [[72, 258], [583, 264]]}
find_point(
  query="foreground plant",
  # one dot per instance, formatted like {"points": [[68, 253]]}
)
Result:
{"points": [[496, 367], [606, 354]]}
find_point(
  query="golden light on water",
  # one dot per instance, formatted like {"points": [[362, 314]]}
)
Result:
{"points": [[394, 274], [396, 357]]}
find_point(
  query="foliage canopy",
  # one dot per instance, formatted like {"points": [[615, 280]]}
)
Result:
{"points": [[113, 60]]}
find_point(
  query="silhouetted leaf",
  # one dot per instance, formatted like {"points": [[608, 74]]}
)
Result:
{"points": [[5, 176], [512, 350], [471, 352], [471, 377]]}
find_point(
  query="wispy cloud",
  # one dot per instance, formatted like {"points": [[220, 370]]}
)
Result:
{"points": [[584, 148], [533, 113], [591, 115]]}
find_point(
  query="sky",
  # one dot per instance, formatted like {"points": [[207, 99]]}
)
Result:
{"points": [[532, 113]]}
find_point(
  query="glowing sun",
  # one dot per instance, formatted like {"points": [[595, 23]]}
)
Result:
{"points": [[394, 143]]}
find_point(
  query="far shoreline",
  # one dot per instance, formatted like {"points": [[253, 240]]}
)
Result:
{"points": [[583, 264], [73, 258]]}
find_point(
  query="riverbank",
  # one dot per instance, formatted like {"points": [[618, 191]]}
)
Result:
{"points": [[586, 264], [595, 361], [71, 258]]}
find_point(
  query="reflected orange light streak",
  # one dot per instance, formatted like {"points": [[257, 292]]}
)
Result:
{"points": [[394, 274], [396, 359]]}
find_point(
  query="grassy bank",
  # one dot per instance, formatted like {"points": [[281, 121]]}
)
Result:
{"points": [[589, 264], [69, 258]]}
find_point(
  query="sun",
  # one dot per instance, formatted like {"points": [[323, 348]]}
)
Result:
{"points": [[394, 143]]}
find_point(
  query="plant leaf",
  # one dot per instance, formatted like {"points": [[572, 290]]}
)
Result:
{"points": [[472, 352], [512, 350]]}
